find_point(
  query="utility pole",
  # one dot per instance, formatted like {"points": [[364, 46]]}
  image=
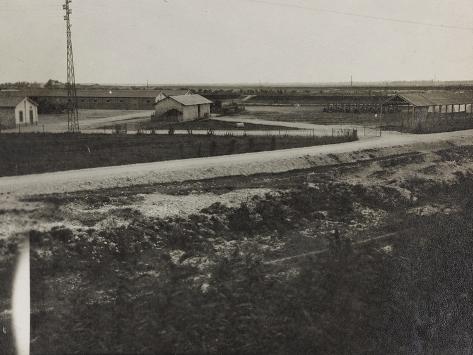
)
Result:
{"points": [[72, 102]]}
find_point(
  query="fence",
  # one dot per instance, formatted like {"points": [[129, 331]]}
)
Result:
{"points": [[316, 132]]}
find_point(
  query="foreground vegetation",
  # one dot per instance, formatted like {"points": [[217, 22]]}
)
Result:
{"points": [[204, 283], [37, 153]]}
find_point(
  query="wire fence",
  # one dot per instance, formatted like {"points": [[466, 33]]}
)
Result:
{"points": [[321, 131]]}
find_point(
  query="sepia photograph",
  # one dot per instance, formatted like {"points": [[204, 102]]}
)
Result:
{"points": [[236, 177]]}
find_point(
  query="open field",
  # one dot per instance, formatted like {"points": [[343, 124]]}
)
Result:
{"points": [[312, 114], [201, 266], [315, 115], [204, 124], [89, 119], [208, 124], [37, 153]]}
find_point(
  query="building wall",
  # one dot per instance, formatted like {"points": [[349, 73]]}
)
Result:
{"points": [[103, 103], [30, 113], [192, 112], [7, 117], [432, 119], [115, 103], [167, 105]]}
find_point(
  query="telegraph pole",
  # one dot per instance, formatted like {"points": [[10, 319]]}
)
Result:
{"points": [[72, 102]]}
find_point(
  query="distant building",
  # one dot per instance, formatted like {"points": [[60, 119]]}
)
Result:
{"points": [[56, 100], [182, 108], [431, 111], [17, 111]]}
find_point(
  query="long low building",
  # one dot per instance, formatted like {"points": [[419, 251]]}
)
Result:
{"points": [[17, 111], [424, 111], [119, 99]]}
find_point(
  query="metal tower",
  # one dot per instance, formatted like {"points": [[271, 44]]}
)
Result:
{"points": [[72, 106]]}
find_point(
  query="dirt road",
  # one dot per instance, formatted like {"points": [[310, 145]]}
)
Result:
{"points": [[243, 164]]}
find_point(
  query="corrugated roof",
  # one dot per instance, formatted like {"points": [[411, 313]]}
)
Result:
{"points": [[10, 101], [432, 98], [190, 100]]}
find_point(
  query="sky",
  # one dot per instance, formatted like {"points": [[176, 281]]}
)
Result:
{"points": [[238, 41]]}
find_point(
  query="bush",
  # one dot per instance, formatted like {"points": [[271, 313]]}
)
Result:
{"points": [[241, 220]]}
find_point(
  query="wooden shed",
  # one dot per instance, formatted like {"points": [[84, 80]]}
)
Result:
{"points": [[182, 108]]}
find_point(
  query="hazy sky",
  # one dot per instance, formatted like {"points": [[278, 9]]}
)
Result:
{"points": [[235, 41]]}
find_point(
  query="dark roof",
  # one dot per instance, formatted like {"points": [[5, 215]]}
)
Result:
{"points": [[432, 98], [120, 93], [12, 101], [191, 100]]}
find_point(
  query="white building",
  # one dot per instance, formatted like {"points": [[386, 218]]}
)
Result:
{"points": [[182, 108], [17, 111]]}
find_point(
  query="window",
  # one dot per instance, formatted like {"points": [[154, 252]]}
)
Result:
{"points": [[20, 114]]}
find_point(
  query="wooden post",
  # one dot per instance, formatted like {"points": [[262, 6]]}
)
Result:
{"points": [[440, 115]]}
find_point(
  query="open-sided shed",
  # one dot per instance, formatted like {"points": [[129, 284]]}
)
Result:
{"points": [[423, 111]]}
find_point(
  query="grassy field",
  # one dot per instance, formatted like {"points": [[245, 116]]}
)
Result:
{"points": [[37, 153], [211, 124], [205, 124], [315, 114], [311, 114]]}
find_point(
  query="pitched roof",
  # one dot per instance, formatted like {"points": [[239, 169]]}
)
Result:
{"points": [[190, 100], [432, 98], [10, 101]]}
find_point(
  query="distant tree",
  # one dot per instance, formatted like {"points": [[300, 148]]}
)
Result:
{"points": [[49, 84]]}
